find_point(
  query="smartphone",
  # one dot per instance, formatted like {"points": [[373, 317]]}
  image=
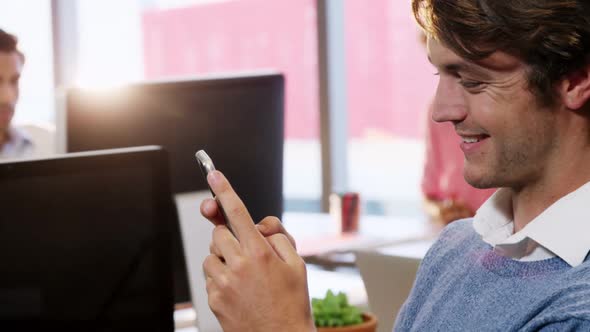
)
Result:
{"points": [[206, 166]]}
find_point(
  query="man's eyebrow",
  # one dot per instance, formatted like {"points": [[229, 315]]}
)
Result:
{"points": [[464, 67]]}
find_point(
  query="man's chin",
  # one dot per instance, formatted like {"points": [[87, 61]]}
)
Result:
{"points": [[479, 180], [5, 119], [4, 125], [3, 131]]}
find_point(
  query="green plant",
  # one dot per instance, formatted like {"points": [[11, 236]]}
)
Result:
{"points": [[334, 310]]}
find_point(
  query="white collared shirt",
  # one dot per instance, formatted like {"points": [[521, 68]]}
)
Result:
{"points": [[19, 145], [563, 229]]}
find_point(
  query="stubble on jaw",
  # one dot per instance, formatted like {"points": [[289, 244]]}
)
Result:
{"points": [[521, 162]]}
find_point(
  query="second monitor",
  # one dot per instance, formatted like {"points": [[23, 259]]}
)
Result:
{"points": [[238, 120]]}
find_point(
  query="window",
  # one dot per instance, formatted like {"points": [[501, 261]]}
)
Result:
{"points": [[389, 80], [390, 84], [156, 39]]}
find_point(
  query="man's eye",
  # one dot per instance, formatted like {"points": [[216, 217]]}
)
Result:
{"points": [[470, 84]]}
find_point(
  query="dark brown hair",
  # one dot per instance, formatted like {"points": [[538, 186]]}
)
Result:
{"points": [[551, 36], [9, 44]]}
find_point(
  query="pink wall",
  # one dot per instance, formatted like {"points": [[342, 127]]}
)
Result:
{"points": [[389, 80]]}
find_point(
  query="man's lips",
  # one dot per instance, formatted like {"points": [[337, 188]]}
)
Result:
{"points": [[471, 143], [473, 138]]}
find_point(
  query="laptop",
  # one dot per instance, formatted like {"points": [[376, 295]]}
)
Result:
{"points": [[196, 233], [85, 242]]}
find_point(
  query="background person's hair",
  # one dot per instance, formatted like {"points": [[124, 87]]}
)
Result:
{"points": [[9, 44], [551, 36]]}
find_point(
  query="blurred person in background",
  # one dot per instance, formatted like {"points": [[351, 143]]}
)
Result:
{"points": [[24, 141], [14, 142]]}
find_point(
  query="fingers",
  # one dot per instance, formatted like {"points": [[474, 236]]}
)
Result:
{"points": [[210, 210], [236, 212], [225, 245], [272, 225], [283, 247], [214, 251], [213, 267], [215, 276]]}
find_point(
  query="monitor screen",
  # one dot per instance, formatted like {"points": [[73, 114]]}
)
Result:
{"points": [[238, 120], [85, 241]]}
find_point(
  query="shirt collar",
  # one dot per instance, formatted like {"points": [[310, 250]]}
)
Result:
{"points": [[18, 135], [17, 144], [562, 228]]}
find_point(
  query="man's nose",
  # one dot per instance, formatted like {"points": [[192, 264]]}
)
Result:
{"points": [[449, 102]]}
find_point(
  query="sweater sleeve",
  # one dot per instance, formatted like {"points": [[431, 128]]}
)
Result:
{"points": [[571, 324]]}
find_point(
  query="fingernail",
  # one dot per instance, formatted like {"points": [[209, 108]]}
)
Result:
{"points": [[208, 209]]}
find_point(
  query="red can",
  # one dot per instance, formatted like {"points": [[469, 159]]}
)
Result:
{"points": [[345, 208]]}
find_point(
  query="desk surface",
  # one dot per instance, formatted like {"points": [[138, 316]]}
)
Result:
{"points": [[319, 234], [415, 249]]}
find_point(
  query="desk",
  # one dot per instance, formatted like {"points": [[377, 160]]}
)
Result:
{"points": [[415, 249], [318, 236]]}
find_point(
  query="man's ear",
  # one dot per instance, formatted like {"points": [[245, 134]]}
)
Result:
{"points": [[575, 88]]}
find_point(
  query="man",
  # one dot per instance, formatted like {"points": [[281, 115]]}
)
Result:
{"points": [[515, 82], [13, 142]]}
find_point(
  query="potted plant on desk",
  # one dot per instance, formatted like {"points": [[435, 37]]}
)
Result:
{"points": [[334, 314]]}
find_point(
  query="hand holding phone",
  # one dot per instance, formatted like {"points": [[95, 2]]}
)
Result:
{"points": [[206, 166]]}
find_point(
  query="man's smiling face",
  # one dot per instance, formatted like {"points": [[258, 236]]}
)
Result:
{"points": [[507, 136]]}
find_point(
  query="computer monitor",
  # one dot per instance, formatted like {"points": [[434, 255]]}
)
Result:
{"points": [[85, 242], [237, 119]]}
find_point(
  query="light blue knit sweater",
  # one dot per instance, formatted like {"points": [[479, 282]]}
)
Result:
{"points": [[463, 285]]}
